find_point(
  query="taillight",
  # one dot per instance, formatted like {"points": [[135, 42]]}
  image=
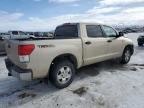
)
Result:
{"points": [[24, 51]]}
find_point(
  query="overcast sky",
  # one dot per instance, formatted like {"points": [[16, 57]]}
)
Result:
{"points": [[44, 15]]}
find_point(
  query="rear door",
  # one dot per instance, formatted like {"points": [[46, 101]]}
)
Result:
{"points": [[114, 43], [95, 45]]}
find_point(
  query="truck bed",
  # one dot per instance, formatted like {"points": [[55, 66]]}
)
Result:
{"points": [[44, 53]]}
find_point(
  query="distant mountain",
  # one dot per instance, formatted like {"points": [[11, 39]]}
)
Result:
{"points": [[130, 29]]}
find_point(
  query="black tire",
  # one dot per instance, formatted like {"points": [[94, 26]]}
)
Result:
{"points": [[56, 73], [125, 58], [140, 44]]}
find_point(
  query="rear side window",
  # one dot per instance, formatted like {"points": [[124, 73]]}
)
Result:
{"points": [[94, 31], [66, 31]]}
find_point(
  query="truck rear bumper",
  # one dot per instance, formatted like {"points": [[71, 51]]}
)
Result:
{"points": [[22, 74]]}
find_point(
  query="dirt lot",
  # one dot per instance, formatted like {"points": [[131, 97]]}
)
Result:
{"points": [[102, 85]]}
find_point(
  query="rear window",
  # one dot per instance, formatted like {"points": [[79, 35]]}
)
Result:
{"points": [[66, 31]]}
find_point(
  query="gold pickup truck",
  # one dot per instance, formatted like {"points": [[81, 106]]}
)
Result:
{"points": [[73, 45]]}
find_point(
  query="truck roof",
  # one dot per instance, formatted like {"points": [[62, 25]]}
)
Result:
{"points": [[87, 23]]}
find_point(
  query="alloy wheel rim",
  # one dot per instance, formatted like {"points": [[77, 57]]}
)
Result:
{"points": [[64, 74], [127, 55]]}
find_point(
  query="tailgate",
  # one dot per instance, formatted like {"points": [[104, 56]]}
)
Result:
{"points": [[12, 52]]}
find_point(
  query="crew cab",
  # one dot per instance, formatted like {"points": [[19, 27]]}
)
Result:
{"points": [[74, 45]]}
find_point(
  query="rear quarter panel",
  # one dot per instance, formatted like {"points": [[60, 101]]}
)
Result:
{"points": [[42, 57]]}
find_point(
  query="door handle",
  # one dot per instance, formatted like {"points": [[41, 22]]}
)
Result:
{"points": [[88, 42], [109, 40]]}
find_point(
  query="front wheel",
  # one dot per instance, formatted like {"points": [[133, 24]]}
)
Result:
{"points": [[126, 56], [62, 74]]}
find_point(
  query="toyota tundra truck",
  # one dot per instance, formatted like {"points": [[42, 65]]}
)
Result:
{"points": [[73, 45]]}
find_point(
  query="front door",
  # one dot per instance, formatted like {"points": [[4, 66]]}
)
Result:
{"points": [[114, 43], [95, 45]]}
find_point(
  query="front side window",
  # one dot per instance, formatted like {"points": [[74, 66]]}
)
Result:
{"points": [[109, 32], [66, 31], [94, 31]]}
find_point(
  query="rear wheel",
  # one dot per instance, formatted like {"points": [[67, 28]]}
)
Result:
{"points": [[126, 56], [62, 74]]}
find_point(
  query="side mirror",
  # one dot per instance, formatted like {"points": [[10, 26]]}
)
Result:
{"points": [[121, 34]]}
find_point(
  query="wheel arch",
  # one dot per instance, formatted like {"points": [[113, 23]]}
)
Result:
{"points": [[72, 58]]}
